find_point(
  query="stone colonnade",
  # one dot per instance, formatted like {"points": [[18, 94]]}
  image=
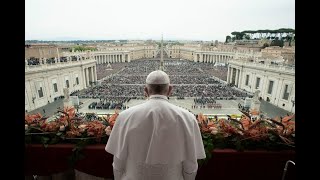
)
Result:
{"points": [[111, 58], [234, 76], [211, 58], [90, 75]]}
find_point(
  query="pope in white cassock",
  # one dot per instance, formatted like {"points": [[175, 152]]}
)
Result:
{"points": [[156, 140]]}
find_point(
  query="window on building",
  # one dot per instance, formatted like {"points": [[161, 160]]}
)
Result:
{"points": [[55, 87], [285, 93], [67, 83], [39, 89], [270, 87], [40, 92], [258, 83], [247, 80], [77, 80]]}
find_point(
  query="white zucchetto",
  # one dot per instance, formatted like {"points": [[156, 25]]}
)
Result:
{"points": [[158, 77]]}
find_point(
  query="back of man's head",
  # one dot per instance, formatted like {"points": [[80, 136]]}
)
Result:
{"points": [[158, 82], [158, 77]]}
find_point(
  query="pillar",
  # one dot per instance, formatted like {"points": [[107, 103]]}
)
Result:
{"points": [[231, 79], [92, 76], [228, 75], [95, 74], [87, 77], [236, 81], [83, 78], [240, 79]]}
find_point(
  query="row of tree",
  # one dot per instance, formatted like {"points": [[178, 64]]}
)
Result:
{"points": [[283, 34], [71, 41], [83, 48]]}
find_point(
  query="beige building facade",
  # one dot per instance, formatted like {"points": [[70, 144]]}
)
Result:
{"points": [[210, 54], [276, 83], [125, 52], [44, 83], [287, 53], [41, 51], [48, 71]]}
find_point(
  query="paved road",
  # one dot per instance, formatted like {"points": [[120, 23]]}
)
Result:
{"points": [[50, 108], [228, 107], [271, 110]]}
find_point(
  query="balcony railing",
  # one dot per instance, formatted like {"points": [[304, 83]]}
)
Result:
{"points": [[57, 65], [272, 67]]}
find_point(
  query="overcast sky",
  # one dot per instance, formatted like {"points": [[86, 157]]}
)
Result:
{"points": [[147, 19]]}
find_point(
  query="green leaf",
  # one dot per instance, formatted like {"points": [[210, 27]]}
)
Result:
{"points": [[210, 147], [205, 143], [59, 134], [205, 136], [208, 156], [44, 140], [76, 152]]}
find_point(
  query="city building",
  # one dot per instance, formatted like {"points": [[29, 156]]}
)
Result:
{"points": [[49, 69], [45, 80], [276, 83]]}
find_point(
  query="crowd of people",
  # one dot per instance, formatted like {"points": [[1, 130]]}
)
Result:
{"points": [[126, 90], [215, 91], [189, 79], [110, 103], [51, 60], [105, 70], [108, 90], [33, 61], [204, 100], [175, 79]]}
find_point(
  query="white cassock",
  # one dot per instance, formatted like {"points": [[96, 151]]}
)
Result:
{"points": [[155, 140]]}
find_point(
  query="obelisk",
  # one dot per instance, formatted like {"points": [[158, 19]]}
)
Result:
{"points": [[161, 55]]}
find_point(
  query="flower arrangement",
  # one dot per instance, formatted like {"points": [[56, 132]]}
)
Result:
{"points": [[111, 120], [246, 133], [68, 126], [243, 133]]}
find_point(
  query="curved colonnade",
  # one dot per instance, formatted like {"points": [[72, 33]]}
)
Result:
{"points": [[75, 71]]}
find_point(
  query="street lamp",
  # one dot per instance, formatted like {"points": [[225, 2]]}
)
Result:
{"points": [[293, 102]]}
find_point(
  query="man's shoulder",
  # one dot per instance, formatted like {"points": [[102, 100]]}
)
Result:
{"points": [[182, 110], [132, 109]]}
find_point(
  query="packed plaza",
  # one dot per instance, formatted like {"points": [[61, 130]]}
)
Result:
{"points": [[189, 79], [115, 73]]}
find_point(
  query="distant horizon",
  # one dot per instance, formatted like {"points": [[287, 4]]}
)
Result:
{"points": [[120, 39], [134, 39], [189, 20], [98, 38]]}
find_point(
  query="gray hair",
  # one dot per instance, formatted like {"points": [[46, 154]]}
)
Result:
{"points": [[158, 88]]}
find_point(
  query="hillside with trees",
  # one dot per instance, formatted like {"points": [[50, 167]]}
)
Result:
{"points": [[277, 37]]}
